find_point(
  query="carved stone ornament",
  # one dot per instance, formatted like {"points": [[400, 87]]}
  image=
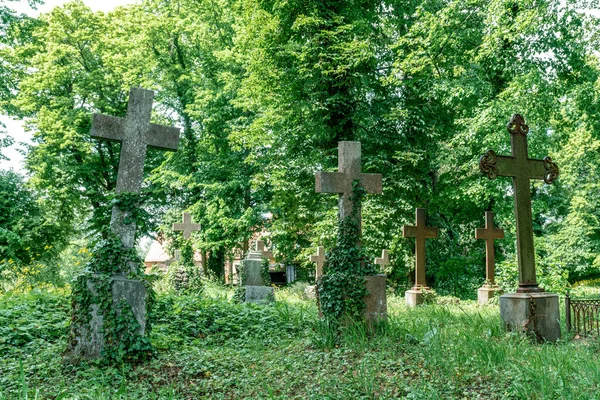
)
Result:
{"points": [[552, 171], [517, 125], [487, 164]]}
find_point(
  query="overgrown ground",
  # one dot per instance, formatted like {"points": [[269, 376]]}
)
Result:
{"points": [[214, 348]]}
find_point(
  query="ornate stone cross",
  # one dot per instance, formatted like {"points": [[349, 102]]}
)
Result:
{"points": [[136, 134], [319, 260], [341, 182], [521, 168], [489, 233], [384, 260], [420, 232], [260, 247], [187, 227]]}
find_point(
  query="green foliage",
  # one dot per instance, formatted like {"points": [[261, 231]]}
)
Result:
{"points": [[184, 276], [341, 289]]}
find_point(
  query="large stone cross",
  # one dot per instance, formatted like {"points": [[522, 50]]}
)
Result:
{"points": [[187, 227], [341, 182], [136, 134], [489, 233], [421, 231], [522, 169], [260, 247], [384, 260], [319, 260]]}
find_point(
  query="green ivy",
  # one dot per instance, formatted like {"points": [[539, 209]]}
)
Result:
{"points": [[130, 203], [341, 290]]}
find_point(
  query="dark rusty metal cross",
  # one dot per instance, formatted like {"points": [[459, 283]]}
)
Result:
{"points": [[489, 233], [187, 227], [349, 170], [522, 169], [136, 134], [421, 232]]}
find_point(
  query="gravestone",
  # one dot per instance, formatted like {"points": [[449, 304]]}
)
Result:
{"points": [[420, 232], [530, 309], [260, 246], [253, 283], [136, 134], [383, 261], [489, 233], [319, 259], [349, 170], [187, 227]]}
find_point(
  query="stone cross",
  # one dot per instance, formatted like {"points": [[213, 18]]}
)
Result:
{"points": [[260, 246], [136, 134], [319, 260], [489, 233], [420, 232], [341, 182], [384, 260], [187, 227], [522, 169]]}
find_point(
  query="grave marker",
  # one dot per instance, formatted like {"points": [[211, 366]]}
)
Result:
{"points": [[319, 260], [489, 234], [187, 227], [384, 260]]}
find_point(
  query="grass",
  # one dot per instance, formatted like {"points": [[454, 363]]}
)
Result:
{"points": [[214, 348]]}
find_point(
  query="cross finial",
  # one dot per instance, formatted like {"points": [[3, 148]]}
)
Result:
{"points": [[384, 260], [421, 231], [319, 260], [522, 169], [187, 227], [489, 234]]}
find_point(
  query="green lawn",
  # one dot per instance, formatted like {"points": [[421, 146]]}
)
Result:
{"points": [[214, 348]]}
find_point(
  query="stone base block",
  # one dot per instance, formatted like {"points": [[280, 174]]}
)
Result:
{"points": [[376, 300], [534, 313], [86, 339], [414, 296], [310, 292], [259, 294], [487, 292]]}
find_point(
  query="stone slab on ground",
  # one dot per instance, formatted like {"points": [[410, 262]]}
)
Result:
{"points": [[414, 297], [488, 292], [259, 294], [376, 300], [537, 314], [87, 339]]}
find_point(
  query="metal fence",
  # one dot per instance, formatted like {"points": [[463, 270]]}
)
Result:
{"points": [[583, 316]]}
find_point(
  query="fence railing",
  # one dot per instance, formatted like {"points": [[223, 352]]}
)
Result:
{"points": [[583, 316]]}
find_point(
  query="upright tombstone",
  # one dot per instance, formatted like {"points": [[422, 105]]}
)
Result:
{"points": [[260, 246], [420, 232], [186, 226], [254, 286], [383, 261], [136, 134], [319, 259], [489, 233], [340, 182], [530, 308]]}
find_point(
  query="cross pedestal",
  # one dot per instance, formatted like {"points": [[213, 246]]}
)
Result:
{"points": [[420, 232], [187, 227], [489, 234], [530, 308]]}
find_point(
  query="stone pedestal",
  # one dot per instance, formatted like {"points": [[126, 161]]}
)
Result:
{"points": [[537, 314], [414, 296], [487, 292], [376, 300], [259, 294], [87, 338], [252, 270]]}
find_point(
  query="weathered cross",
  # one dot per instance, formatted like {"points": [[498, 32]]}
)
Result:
{"points": [[136, 134], [187, 227], [260, 246], [521, 168], [319, 260], [489, 233], [349, 170], [421, 231], [384, 260]]}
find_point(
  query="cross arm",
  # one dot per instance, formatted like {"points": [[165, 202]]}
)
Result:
{"points": [[163, 137], [409, 231], [107, 128], [482, 233], [330, 182], [372, 183]]}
